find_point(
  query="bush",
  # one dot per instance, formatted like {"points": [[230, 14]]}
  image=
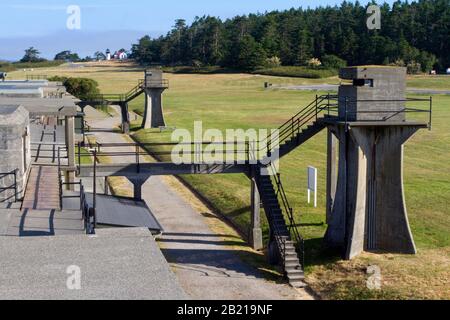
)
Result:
{"points": [[314, 63], [297, 71], [273, 62], [414, 67], [331, 61], [82, 88]]}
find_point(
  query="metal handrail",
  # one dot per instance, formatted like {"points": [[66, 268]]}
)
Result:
{"points": [[13, 186], [292, 227], [391, 113], [88, 213]]}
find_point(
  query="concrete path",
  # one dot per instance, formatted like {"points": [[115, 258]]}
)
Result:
{"points": [[115, 264], [40, 223], [206, 267]]}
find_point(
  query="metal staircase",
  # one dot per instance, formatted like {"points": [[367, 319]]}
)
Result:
{"points": [[118, 98], [283, 234], [300, 128]]}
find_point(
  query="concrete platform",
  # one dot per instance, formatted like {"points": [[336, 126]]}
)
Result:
{"points": [[33, 223], [117, 211], [115, 264]]}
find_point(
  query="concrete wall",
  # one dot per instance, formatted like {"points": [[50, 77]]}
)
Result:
{"points": [[14, 149], [372, 86]]}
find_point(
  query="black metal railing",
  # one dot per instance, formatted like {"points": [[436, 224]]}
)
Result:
{"points": [[289, 212], [11, 187], [135, 152], [112, 97], [277, 233], [88, 211], [350, 115], [322, 105], [163, 83], [37, 77]]}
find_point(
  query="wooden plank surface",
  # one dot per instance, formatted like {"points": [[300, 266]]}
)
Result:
{"points": [[42, 191]]}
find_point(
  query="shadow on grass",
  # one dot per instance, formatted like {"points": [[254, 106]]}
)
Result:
{"points": [[317, 254]]}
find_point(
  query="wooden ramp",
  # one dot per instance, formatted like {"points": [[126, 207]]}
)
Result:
{"points": [[42, 191]]}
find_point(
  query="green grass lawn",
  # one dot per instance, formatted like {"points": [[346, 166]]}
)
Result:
{"points": [[239, 101], [242, 103]]}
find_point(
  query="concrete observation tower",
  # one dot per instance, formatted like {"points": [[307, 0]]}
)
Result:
{"points": [[366, 208], [154, 86]]}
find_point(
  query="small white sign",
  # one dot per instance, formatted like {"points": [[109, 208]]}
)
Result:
{"points": [[312, 185]]}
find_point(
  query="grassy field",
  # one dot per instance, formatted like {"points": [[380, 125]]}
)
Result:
{"points": [[239, 101]]}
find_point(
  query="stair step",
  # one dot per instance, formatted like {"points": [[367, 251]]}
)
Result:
{"points": [[295, 273], [291, 254], [298, 284], [292, 264], [296, 277]]}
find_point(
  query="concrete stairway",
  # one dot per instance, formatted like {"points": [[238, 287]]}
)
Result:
{"points": [[285, 246]]}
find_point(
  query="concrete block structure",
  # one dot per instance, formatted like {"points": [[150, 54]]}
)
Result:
{"points": [[365, 196], [376, 93], [14, 150], [154, 86]]}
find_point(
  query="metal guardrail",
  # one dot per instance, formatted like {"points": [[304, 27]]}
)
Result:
{"points": [[88, 212], [292, 226], [12, 187], [390, 114], [163, 83], [37, 77], [130, 95], [241, 150], [328, 105]]}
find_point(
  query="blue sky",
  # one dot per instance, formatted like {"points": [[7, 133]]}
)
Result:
{"points": [[42, 23]]}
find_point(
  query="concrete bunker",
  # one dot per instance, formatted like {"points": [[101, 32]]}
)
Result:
{"points": [[15, 151], [366, 208]]}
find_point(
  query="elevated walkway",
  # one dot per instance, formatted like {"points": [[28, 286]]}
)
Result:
{"points": [[158, 169], [119, 212], [43, 190]]}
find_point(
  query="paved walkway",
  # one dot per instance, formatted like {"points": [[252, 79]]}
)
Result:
{"points": [[40, 223], [206, 267], [115, 264], [42, 191]]}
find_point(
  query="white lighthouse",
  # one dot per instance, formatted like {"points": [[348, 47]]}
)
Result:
{"points": [[108, 55]]}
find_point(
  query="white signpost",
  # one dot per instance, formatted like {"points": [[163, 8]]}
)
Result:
{"points": [[312, 185]]}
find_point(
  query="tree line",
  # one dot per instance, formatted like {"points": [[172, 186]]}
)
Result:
{"points": [[415, 34]]}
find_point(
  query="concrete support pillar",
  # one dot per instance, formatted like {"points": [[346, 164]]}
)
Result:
{"points": [[369, 212], [336, 219], [332, 149], [70, 144], [125, 117], [256, 232], [137, 186], [107, 191], [153, 113]]}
